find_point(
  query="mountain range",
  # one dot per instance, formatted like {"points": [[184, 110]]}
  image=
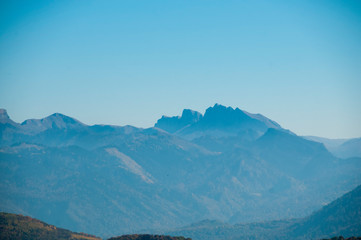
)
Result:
{"points": [[227, 164]]}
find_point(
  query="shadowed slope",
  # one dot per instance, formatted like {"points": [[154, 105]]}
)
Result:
{"points": [[341, 217]]}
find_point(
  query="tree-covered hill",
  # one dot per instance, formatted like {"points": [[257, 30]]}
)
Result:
{"points": [[147, 237], [342, 238], [18, 227]]}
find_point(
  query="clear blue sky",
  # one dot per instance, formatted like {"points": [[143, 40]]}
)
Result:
{"points": [[130, 62]]}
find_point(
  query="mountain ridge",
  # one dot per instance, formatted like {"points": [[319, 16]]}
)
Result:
{"points": [[217, 121]]}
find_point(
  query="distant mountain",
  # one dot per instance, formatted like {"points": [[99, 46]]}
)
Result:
{"points": [[54, 121], [350, 148], [217, 121], [341, 217], [5, 119], [293, 154], [18, 227], [173, 124], [330, 144], [228, 165], [342, 148], [11, 132]]}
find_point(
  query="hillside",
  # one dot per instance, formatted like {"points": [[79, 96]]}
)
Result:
{"points": [[147, 237], [18, 227], [342, 238], [341, 217]]}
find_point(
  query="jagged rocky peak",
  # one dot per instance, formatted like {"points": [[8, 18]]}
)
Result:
{"points": [[219, 114], [4, 117], [191, 115], [219, 109], [173, 124], [216, 118]]}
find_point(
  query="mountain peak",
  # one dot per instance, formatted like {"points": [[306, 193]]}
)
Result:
{"points": [[191, 115], [60, 115], [220, 107], [54, 121], [173, 124], [218, 120], [219, 115], [217, 105], [4, 117]]}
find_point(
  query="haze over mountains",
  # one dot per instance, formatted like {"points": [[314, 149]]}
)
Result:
{"points": [[343, 148], [227, 164], [341, 217]]}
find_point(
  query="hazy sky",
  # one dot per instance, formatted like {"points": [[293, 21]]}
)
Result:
{"points": [[130, 62]]}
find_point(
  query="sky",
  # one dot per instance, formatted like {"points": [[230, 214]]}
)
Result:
{"points": [[130, 62]]}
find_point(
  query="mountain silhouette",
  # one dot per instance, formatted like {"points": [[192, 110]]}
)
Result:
{"points": [[54, 121], [217, 121], [173, 124]]}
